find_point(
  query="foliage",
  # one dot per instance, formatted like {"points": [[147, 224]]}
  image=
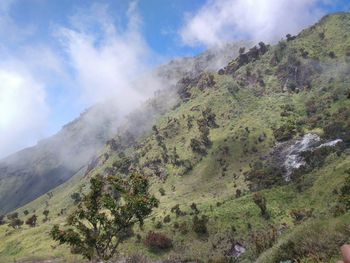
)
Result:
{"points": [[76, 198], [199, 224], [46, 214], [106, 215], [263, 239], [157, 241], [260, 201], [31, 221]]}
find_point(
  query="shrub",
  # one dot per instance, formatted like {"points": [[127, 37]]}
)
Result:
{"points": [[197, 146], [166, 219], [194, 208], [285, 132], [183, 228], [16, 223], [162, 191], [12, 216], [31, 221], [309, 240], [300, 215], [260, 201], [136, 258], [158, 225], [76, 198], [176, 209], [238, 193], [344, 197], [157, 241], [263, 239], [46, 213], [199, 225]]}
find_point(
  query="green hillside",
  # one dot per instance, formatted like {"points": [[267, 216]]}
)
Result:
{"points": [[217, 152]]}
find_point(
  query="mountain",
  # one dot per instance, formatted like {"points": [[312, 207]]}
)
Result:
{"points": [[250, 162], [32, 172]]}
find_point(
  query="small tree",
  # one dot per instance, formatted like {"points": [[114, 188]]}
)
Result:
{"points": [[106, 215], [31, 221], [260, 201], [16, 223], [46, 214], [25, 212], [76, 198], [2, 221]]}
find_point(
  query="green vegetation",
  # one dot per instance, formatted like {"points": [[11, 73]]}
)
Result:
{"points": [[106, 215], [208, 155]]}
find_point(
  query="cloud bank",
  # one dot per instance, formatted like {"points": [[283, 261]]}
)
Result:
{"points": [[23, 110], [95, 59], [266, 20], [104, 59]]}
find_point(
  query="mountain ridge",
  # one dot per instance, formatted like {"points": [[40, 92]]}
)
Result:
{"points": [[214, 148]]}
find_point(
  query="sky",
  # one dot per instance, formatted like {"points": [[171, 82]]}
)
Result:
{"points": [[58, 57]]}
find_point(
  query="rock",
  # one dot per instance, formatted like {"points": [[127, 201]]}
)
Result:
{"points": [[236, 250]]}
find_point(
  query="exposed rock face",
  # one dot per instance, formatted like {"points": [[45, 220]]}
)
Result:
{"points": [[289, 154], [293, 160]]}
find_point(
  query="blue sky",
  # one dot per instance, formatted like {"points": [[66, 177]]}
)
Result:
{"points": [[61, 56]]}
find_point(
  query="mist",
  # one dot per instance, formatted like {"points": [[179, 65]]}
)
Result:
{"points": [[266, 20]]}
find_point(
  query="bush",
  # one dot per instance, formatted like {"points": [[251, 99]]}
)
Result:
{"points": [[263, 240], [194, 208], [260, 201], [31, 221], [136, 258], [300, 215], [158, 225], [176, 209], [157, 241], [16, 223], [309, 241], [167, 219], [76, 198], [199, 225], [285, 132], [162, 191], [344, 197]]}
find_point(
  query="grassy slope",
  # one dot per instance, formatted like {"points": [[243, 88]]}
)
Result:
{"points": [[206, 185]]}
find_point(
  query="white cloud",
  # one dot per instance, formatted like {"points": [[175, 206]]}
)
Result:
{"points": [[23, 110], [266, 20], [106, 60]]}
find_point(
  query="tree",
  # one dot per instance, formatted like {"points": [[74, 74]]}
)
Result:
{"points": [[260, 201], [31, 221], [105, 216], [25, 212]]}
